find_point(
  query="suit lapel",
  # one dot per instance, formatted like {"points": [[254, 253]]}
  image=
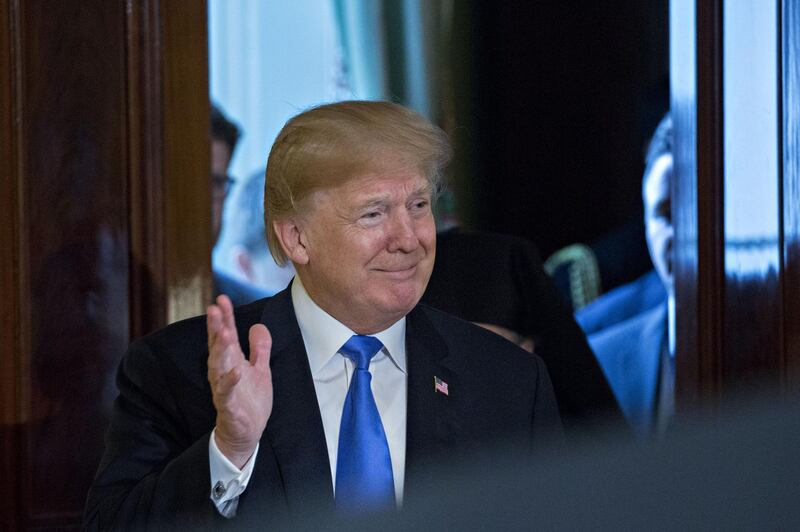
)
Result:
{"points": [[294, 431], [432, 425]]}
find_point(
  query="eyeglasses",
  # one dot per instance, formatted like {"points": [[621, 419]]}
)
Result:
{"points": [[221, 184]]}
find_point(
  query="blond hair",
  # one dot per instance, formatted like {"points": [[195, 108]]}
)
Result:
{"points": [[330, 144]]}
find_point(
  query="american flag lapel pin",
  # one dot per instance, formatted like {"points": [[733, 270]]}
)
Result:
{"points": [[439, 386]]}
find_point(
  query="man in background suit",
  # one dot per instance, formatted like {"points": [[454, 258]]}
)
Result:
{"points": [[224, 137], [629, 327], [339, 392]]}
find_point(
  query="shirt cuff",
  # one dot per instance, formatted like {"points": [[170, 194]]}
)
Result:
{"points": [[227, 480]]}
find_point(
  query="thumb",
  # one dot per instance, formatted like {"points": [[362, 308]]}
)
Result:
{"points": [[260, 346]]}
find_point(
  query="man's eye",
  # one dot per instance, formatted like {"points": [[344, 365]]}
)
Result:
{"points": [[371, 217], [421, 204]]}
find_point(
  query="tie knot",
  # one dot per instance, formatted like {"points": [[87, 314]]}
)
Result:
{"points": [[361, 349]]}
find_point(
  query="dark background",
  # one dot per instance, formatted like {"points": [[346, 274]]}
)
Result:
{"points": [[555, 103]]}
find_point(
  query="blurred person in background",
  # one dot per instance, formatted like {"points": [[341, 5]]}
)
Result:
{"points": [[630, 328], [250, 258], [224, 136]]}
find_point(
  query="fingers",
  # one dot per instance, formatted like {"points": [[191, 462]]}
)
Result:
{"points": [[224, 303], [260, 346], [224, 352], [213, 323], [220, 315]]}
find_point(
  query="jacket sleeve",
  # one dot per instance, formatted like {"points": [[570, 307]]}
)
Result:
{"points": [[154, 473]]}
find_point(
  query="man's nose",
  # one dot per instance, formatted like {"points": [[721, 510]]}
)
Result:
{"points": [[403, 236]]}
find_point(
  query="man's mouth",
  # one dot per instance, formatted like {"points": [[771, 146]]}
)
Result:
{"points": [[399, 271]]}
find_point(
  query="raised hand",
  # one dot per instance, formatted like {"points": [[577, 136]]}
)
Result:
{"points": [[241, 388]]}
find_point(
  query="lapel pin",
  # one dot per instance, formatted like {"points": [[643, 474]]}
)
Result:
{"points": [[439, 386]]}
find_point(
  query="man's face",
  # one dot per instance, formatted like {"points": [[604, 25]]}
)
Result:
{"points": [[220, 158], [658, 217], [370, 246]]}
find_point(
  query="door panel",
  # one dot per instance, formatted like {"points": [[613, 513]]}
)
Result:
{"points": [[104, 136]]}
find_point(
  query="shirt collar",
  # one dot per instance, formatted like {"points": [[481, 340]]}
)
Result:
{"points": [[324, 335]]}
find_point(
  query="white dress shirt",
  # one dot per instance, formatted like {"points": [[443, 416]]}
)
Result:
{"points": [[331, 371]]}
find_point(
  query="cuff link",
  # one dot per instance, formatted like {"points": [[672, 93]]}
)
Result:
{"points": [[219, 490]]}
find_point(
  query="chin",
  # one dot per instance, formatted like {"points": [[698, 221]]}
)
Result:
{"points": [[400, 300]]}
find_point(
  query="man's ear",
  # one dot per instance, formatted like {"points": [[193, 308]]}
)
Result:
{"points": [[290, 232]]}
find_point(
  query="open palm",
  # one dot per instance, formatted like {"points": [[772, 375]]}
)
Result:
{"points": [[241, 388]]}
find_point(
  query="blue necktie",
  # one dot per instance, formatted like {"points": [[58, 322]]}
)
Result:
{"points": [[364, 479]]}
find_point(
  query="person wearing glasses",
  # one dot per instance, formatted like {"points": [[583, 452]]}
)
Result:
{"points": [[224, 136]]}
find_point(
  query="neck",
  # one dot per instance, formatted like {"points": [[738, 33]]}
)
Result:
{"points": [[365, 324]]}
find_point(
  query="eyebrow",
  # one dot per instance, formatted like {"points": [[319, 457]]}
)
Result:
{"points": [[422, 190], [370, 204]]}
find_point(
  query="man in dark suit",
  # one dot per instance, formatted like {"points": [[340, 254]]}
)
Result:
{"points": [[498, 282], [339, 392]]}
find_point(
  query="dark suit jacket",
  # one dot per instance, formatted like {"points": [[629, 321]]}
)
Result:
{"points": [[155, 470], [500, 279]]}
